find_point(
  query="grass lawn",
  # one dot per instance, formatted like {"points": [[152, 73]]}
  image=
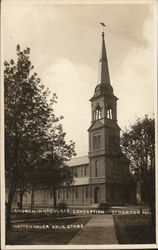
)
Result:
{"points": [[45, 236], [27, 217], [134, 229]]}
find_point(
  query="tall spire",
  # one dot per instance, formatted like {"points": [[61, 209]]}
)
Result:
{"points": [[104, 77]]}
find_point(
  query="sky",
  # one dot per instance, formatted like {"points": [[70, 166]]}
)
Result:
{"points": [[65, 43]]}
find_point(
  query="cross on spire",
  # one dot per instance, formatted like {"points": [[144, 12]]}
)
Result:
{"points": [[103, 25]]}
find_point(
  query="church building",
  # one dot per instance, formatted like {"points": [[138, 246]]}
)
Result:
{"points": [[103, 175]]}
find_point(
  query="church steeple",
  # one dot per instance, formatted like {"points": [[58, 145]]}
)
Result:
{"points": [[103, 83], [104, 102], [104, 70], [106, 161]]}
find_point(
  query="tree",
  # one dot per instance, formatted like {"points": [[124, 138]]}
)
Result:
{"points": [[52, 172], [138, 144], [24, 184], [29, 118]]}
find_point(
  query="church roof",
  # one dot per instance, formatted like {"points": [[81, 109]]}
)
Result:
{"points": [[83, 160], [104, 70], [103, 87]]}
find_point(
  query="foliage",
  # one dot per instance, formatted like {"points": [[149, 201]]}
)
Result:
{"points": [[62, 205], [26, 115], [138, 144], [33, 134], [103, 206], [134, 229]]}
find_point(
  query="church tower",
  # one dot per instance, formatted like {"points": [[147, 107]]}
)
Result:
{"points": [[104, 131], [108, 165]]}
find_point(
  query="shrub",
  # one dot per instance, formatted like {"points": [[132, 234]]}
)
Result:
{"points": [[61, 205], [103, 206]]}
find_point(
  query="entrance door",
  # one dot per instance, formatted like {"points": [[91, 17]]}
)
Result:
{"points": [[96, 195]]}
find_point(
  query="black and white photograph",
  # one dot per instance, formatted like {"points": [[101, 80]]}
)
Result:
{"points": [[78, 124]]}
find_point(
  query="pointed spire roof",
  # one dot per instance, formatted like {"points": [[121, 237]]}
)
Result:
{"points": [[104, 77], [103, 87]]}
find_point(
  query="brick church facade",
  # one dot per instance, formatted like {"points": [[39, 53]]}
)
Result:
{"points": [[103, 174]]}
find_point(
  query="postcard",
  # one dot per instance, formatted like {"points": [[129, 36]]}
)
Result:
{"points": [[78, 116]]}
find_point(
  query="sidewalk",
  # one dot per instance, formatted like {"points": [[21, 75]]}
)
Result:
{"points": [[99, 230]]}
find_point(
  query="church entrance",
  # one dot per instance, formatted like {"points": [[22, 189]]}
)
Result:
{"points": [[96, 195]]}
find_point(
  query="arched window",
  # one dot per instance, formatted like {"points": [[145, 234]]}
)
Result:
{"points": [[112, 192], [75, 172], [76, 192], [113, 141], [82, 169], [109, 113], [98, 113], [58, 193], [96, 195], [86, 192], [67, 193], [85, 170], [96, 141], [96, 168], [51, 194]]}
